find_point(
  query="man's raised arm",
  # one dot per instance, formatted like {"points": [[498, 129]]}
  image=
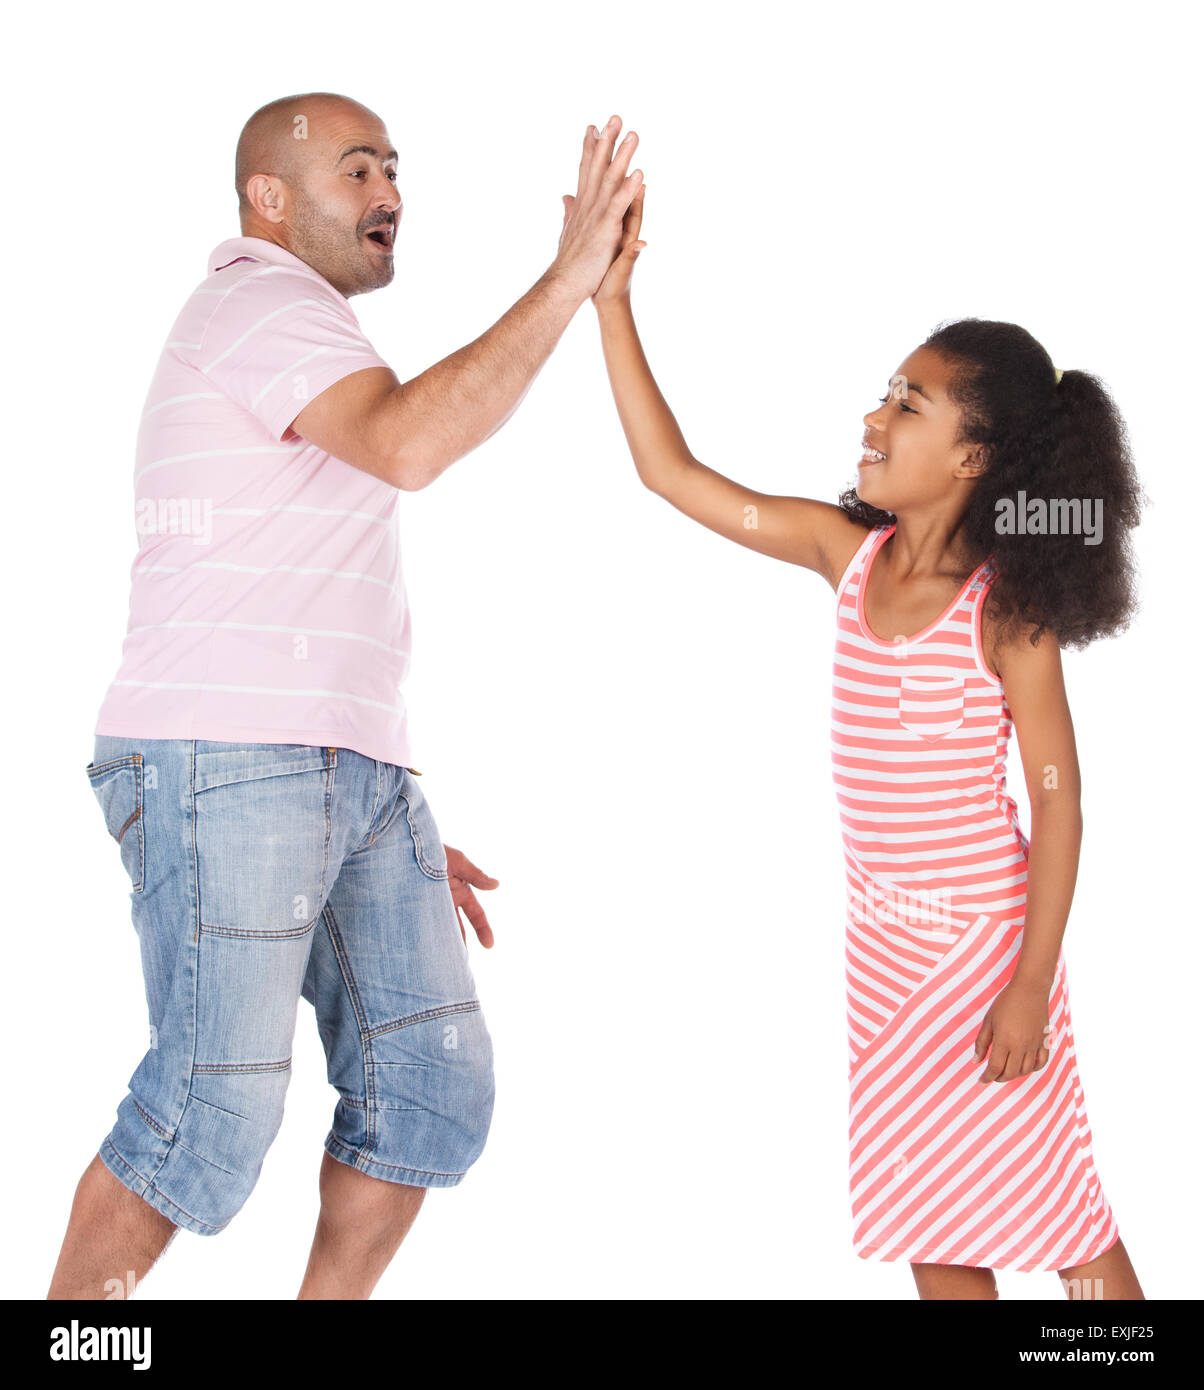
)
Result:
{"points": [[407, 433]]}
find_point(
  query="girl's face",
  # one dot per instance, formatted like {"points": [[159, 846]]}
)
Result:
{"points": [[915, 427]]}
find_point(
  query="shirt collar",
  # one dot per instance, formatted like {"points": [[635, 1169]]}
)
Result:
{"points": [[256, 249]]}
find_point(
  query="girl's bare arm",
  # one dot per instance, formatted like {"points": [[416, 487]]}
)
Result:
{"points": [[799, 530], [1036, 695], [1015, 1027]]}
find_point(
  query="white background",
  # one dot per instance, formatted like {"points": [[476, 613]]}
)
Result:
{"points": [[617, 713]]}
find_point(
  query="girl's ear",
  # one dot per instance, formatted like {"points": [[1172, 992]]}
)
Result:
{"points": [[975, 463]]}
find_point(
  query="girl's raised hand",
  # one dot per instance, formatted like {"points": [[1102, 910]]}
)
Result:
{"points": [[616, 283]]}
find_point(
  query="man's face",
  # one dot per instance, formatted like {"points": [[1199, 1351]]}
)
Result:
{"points": [[342, 206]]}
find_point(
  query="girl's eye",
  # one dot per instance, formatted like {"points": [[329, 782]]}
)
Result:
{"points": [[883, 400]]}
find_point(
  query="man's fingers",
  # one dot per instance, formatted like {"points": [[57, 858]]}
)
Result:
{"points": [[613, 177], [476, 915], [588, 150], [597, 157], [606, 145], [477, 877], [460, 866], [591, 153]]}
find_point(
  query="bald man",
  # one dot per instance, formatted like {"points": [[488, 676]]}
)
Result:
{"points": [[252, 757]]}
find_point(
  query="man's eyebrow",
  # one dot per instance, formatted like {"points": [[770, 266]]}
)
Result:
{"points": [[366, 149]]}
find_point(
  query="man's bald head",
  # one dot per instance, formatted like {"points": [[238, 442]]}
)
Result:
{"points": [[275, 139], [316, 173]]}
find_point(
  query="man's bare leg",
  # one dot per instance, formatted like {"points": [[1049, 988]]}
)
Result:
{"points": [[361, 1223], [954, 1282], [111, 1233]]}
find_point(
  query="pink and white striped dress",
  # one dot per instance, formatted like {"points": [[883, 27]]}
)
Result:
{"points": [[944, 1169]]}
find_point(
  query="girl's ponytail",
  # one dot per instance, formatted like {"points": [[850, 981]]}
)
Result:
{"points": [[1066, 560]]}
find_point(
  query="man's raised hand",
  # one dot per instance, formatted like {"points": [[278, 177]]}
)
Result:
{"points": [[593, 217], [616, 283]]}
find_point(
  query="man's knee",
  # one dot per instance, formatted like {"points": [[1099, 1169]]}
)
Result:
{"points": [[468, 1081], [229, 1122], [427, 1115]]}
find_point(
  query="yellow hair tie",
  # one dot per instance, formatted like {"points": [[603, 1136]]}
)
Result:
{"points": [[1057, 375]]}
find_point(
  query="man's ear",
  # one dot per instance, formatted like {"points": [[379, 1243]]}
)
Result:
{"points": [[265, 194]]}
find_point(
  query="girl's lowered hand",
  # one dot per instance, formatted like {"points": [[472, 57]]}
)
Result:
{"points": [[1015, 1032], [616, 283]]}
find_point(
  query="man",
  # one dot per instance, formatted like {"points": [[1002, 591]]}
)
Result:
{"points": [[252, 754]]}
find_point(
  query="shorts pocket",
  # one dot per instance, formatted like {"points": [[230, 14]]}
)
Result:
{"points": [[262, 819], [118, 789], [428, 846], [931, 706]]}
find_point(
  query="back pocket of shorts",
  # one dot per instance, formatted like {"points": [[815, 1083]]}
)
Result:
{"points": [[118, 788]]}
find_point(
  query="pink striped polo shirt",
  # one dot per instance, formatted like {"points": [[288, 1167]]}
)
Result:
{"points": [[267, 603]]}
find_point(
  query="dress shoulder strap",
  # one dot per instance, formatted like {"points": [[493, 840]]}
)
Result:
{"points": [[860, 555]]}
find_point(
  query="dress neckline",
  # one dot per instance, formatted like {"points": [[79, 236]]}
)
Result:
{"points": [[929, 628]]}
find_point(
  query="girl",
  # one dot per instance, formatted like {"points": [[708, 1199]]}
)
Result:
{"points": [[989, 528]]}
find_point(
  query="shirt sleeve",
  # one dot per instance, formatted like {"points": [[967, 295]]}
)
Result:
{"points": [[276, 341]]}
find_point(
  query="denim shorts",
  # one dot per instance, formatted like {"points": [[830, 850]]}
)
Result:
{"points": [[261, 873]]}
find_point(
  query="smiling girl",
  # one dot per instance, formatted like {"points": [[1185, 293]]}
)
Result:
{"points": [[969, 1147]]}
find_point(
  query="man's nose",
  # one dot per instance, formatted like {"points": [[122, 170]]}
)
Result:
{"points": [[388, 196]]}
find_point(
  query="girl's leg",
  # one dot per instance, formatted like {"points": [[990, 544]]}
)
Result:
{"points": [[954, 1281], [1109, 1276]]}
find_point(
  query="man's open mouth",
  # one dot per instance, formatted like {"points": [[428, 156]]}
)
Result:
{"points": [[382, 236]]}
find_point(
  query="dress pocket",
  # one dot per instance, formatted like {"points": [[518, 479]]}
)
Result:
{"points": [[117, 786], [931, 706]]}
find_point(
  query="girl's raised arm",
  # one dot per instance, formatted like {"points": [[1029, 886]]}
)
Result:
{"points": [[799, 530]]}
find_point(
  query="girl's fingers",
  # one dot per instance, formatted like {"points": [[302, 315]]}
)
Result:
{"points": [[635, 214], [995, 1064], [1012, 1070], [624, 194], [984, 1037]]}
